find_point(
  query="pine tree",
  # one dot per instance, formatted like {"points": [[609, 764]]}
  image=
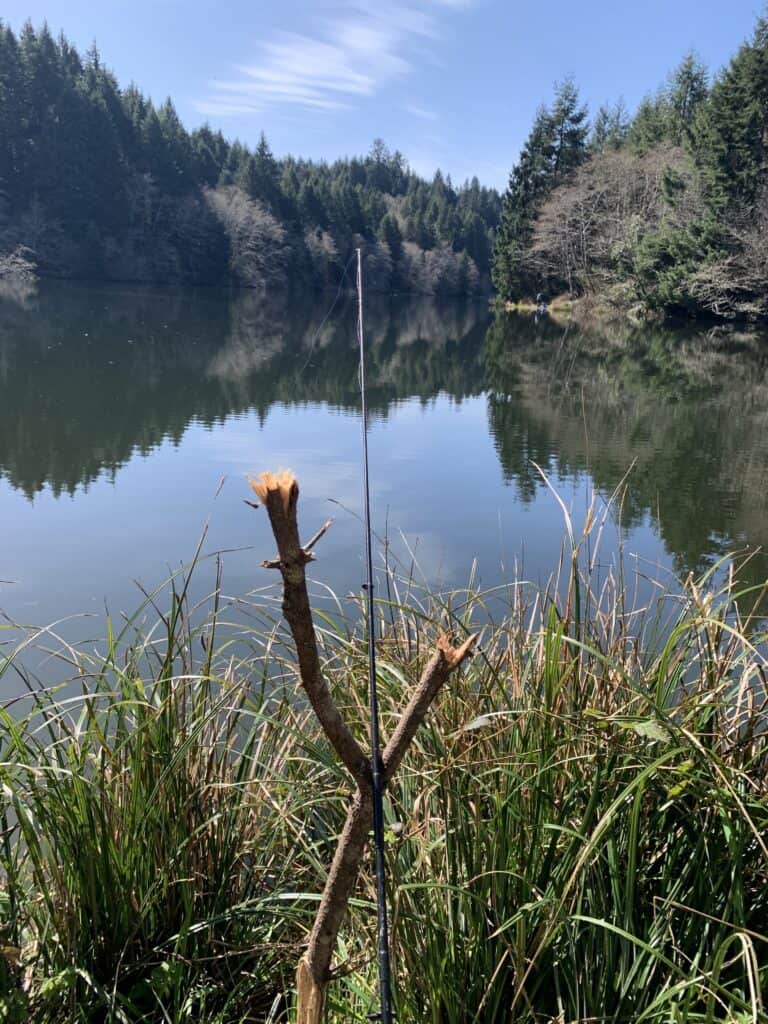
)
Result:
{"points": [[389, 231], [731, 133], [311, 207], [556, 146], [378, 174], [247, 177], [569, 126], [651, 124], [687, 90], [528, 184], [12, 118], [267, 175], [610, 128], [177, 150], [209, 154], [105, 183], [236, 157]]}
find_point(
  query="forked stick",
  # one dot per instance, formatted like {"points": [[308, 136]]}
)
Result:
{"points": [[280, 494]]}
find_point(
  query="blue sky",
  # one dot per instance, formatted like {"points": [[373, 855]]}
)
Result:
{"points": [[451, 83]]}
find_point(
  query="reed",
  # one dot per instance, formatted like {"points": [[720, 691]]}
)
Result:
{"points": [[155, 826], [584, 828], [579, 831]]}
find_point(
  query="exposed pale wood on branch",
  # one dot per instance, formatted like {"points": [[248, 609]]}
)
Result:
{"points": [[280, 493], [445, 659]]}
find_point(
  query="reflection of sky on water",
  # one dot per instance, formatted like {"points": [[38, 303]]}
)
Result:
{"points": [[129, 418], [437, 490]]}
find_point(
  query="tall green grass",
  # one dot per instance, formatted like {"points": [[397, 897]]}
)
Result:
{"points": [[155, 827], [579, 833], [585, 828]]}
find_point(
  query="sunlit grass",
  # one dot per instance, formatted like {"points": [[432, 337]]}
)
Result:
{"points": [[579, 832]]}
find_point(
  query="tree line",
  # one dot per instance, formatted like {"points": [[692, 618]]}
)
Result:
{"points": [[695, 398], [664, 210], [96, 181]]}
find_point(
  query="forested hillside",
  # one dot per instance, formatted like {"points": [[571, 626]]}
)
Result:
{"points": [[666, 210], [97, 182]]}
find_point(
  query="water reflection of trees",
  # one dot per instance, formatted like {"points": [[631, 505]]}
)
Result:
{"points": [[91, 376], [687, 409]]}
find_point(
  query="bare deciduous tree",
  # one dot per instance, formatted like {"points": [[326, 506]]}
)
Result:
{"points": [[377, 265], [438, 271], [323, 255], [588, 230], [258, 250]]}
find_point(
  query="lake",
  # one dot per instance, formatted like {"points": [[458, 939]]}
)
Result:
{"points": [[130, 417]]}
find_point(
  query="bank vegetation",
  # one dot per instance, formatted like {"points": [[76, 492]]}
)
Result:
{"points": [[665, 210], [97, 182], [579, 831]]}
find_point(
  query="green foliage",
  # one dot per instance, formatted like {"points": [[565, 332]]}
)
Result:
{"points": [[671, 114], [13, 1002], [665, 261], [730, 138], [579, 831], [686, 94], [555, 147], [99, 182], [610, 127], [147, 859], [650, 125], [556, 234]]}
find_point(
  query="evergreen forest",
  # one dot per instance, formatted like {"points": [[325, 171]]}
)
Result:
{"points": [[567, 625], [661, 210], [665, 210], [97, 182]]}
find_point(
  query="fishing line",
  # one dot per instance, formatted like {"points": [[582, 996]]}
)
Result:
{"points": [[327, 315], [385, 992], [377, 772]]}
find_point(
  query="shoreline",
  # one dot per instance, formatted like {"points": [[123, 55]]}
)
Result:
{"points": [[597, 309]]}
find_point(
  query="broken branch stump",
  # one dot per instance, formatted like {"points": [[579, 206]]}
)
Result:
{"points": [[280, 494]]}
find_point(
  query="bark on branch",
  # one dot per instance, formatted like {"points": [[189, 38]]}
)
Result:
{"points": [[445, 659], [280, 494]]}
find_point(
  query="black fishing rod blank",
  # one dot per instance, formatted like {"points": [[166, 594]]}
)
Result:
{"points": [[385, 988]]}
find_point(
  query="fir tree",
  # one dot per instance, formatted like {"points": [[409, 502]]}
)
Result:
{"points": [[389, 232], [731, 133], [104, 183], [267, 175], [687, 91], [650, 125], [569, 127], [610, 128], [556, 146]]}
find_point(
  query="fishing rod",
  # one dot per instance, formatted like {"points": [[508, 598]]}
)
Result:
{"points": [[385, 989]]}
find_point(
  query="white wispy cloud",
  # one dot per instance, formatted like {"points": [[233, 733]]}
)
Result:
{"points": [[421, 112], [349, 57]]}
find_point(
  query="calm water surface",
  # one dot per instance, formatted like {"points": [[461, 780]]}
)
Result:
{"points": [[129, 418]]}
